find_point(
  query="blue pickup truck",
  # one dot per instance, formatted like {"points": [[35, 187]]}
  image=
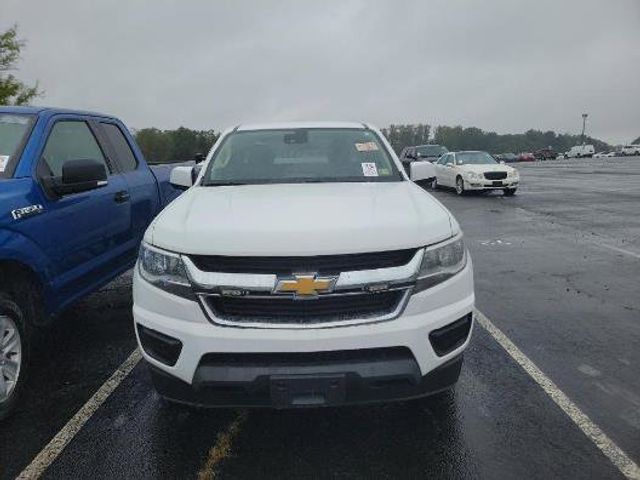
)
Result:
{"points": [[76, 196]]}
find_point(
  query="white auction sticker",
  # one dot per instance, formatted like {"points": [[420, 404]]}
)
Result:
{"points": [[366, 147], [369, 169], [4, 160]]}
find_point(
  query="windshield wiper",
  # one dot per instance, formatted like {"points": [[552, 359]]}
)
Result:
{"points": [[223, 184]]}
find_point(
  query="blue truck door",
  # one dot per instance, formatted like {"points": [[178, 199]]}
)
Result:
{"points": [[86, 234], [142, 185]]}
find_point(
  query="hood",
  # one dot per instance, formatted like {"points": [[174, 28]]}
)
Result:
{"points": [[301, 219]]}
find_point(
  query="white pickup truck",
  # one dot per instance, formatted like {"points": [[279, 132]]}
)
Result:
{"points": [[302, 268]]}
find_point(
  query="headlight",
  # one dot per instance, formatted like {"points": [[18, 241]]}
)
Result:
{"points": [[441, 262], [164, 270], [513, 174], [474, 175]]}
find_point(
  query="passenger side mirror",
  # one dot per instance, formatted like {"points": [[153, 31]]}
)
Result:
{"points": [[422, 171], [199, 157], [79, 176], [182, 177]]}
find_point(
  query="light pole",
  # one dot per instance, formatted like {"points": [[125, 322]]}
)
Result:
{"points": [[584, 123]]}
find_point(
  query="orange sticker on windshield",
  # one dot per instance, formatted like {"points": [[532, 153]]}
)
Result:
{"points": [[366, 147]]}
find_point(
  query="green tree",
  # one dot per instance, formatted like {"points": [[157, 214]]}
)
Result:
{"points": [[12, 90], [401, 136], [167, 146]]}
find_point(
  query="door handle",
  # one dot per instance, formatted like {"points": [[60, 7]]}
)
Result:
{"points": [[121, 196]]}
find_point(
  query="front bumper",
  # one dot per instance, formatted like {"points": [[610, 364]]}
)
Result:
{"points": [[473, 184], [193, 379], [332, 384]]}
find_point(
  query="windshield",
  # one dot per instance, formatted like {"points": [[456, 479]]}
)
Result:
{"points": [[474, 158], [13, 129], [301, 155], [431, 150]]}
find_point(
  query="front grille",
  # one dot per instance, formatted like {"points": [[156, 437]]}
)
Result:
{"points": [[328, 308], [304, 359], [495, 175], [323, 264]]}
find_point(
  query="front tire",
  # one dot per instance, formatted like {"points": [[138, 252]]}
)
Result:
{"points": [[14, 353], [460, 186], [509, 192]]}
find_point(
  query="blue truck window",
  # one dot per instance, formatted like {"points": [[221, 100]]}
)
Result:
{"points": [[13, 130], [70, 140], [124, 155]]}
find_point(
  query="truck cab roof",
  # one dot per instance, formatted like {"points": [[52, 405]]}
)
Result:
{"points": [[36, 110]]}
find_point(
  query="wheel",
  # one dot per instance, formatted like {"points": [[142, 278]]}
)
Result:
{"points": [[14, 353], [434, 183], [460, 186], [509, 192]]}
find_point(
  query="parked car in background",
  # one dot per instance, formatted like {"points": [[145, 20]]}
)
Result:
{"points": [[581, 151], [422, 152], [526, 157], [76, 197], [507, 157], [602, 155], [611, 154], [250, 289], [629, 150], [545, 154], [474, 171], [414, 160]]}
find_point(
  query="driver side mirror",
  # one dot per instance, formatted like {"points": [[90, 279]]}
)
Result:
{"points": [[182, 177], [79, 176]]}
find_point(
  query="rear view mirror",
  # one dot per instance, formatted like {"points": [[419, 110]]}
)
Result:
{"points": [[182, 177], [80, 176]]}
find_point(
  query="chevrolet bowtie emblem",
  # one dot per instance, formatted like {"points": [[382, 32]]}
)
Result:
{"points": [[305, 285]]}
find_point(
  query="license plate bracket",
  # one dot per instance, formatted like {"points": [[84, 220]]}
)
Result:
{"points": [[497, 183], [307, 390]]}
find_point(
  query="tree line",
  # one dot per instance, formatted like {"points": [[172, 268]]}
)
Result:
{"points": [[179, 145], [472, 138]]}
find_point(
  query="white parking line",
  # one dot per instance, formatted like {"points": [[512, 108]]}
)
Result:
{"points": [[58, 443], [614, 453], [619, 250]]}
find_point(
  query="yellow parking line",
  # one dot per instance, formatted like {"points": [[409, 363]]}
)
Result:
{"points": [[222, 447]]}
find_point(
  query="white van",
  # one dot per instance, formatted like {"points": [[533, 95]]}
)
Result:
{"points": [[630, 150], [581, 151]]}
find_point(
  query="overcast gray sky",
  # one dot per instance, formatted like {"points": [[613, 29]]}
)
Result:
{"points": [[505, 65]]}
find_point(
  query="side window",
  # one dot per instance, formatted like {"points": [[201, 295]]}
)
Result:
{"points": [[444, 159], [450, 159], [125, 156], [70, 140]]}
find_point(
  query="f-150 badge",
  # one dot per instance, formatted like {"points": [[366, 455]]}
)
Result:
{"points": [[25, 212]]}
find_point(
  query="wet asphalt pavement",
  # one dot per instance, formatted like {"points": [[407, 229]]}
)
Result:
{"points": [[557, 270]]}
